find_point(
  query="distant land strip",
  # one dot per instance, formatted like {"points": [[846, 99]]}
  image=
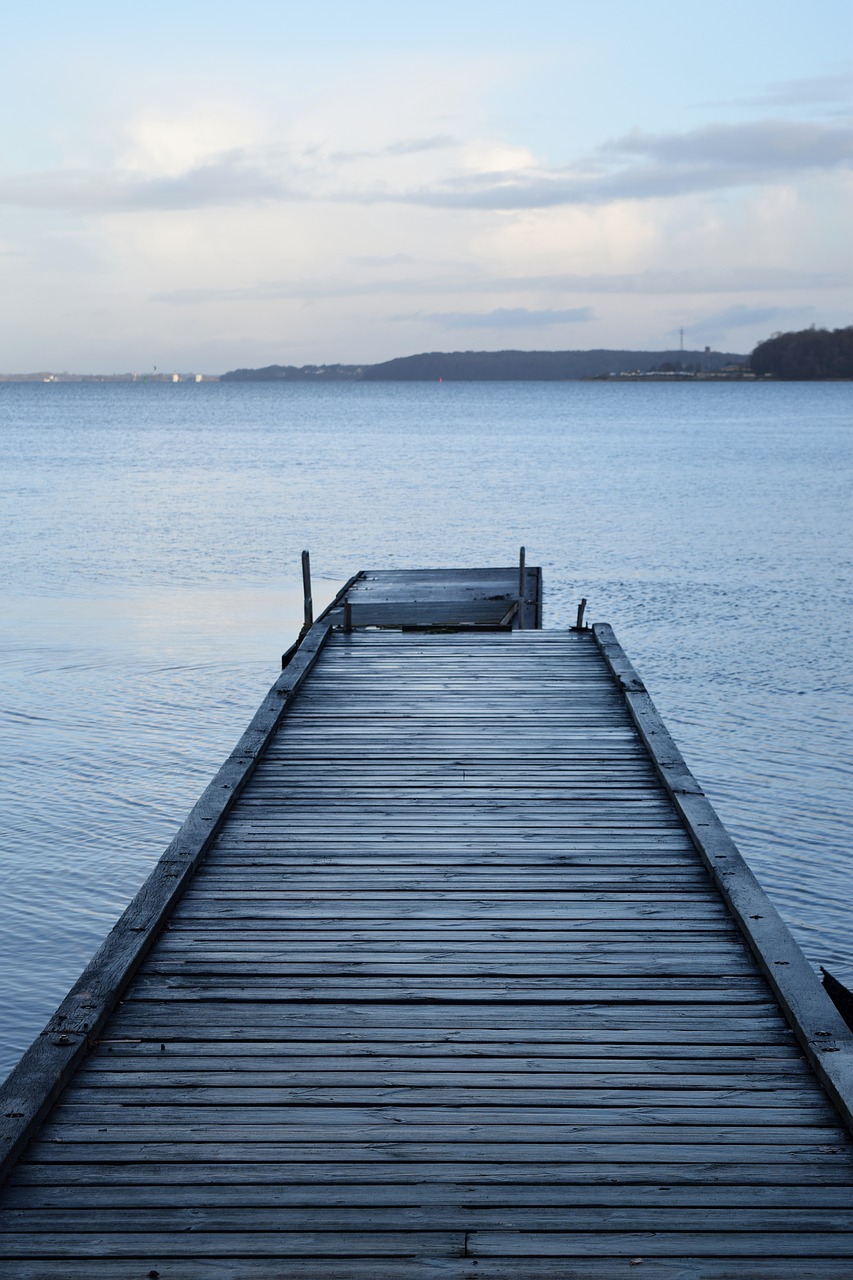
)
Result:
{"points": [[808, 355], [506, 366]]}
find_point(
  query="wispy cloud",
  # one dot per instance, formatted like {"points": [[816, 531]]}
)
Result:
{"points": [[660, 282], [641, 166], [402, 147], [762, 146], [374, 260], [637, 166], [831, 88], [504, 318], [745, 317], [232, 179], [412, 146]]}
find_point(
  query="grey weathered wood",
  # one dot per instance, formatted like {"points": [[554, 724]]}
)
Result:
{"points": [[552, 1176], [306, 591], [294, 1189], [478, 1149], [825, 1037], [36, 1081], [453, 989], [462, 1216], [477, 1244], [431, 1267]]}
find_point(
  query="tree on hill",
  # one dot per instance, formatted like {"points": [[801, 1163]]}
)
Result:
{"points": [[807, 355]]}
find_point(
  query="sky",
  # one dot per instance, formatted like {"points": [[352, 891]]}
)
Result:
{"points": [[201, 187]]}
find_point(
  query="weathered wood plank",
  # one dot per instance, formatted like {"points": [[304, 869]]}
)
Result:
{"points": [[488, 1244], [813, 1179], [426, 1268], [448, 1216], [560, 1104], [274, 1244], [476, 1244], [450, 1194], [228, 1083], [616, 1127], [709, 1024], [645, 1152], [280, 1065], [315, 1044]]}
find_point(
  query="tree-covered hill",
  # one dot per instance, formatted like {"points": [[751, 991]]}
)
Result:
{"points": [[808, 355], [296, 373], [538, 366], [495, 366]]}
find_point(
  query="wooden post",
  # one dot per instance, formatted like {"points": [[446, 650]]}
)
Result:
{"points": [[581, 607], [347, 617], [306, 590], [522, 575]]}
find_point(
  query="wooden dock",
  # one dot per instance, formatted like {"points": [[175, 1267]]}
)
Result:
{"points": [[451, 973]]}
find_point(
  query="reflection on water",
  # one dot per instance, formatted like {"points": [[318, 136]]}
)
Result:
{"points": [[152, 550], [115, 713]]}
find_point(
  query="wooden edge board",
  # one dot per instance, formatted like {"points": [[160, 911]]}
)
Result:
{"points": [[439, 575], [44, 1069], [826, 1039]]}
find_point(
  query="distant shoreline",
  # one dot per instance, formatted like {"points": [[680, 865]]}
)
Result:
{"points": [[505, 366], [47, 376], [672, 379], [810, 356], [445, 366]]}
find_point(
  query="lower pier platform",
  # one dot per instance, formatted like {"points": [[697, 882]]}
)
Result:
{"points": [[461, 980]]}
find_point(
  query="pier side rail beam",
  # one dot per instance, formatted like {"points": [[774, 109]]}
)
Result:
{"points": [[45, 1068], [824, 1036]]}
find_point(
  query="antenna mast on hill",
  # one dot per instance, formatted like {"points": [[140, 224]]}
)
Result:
{"points": [[681, 337]]}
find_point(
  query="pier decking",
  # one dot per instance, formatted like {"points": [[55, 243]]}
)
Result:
{"points": [[462, 978]]}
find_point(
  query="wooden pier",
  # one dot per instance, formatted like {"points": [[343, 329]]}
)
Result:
{"points": [[451, 973]]}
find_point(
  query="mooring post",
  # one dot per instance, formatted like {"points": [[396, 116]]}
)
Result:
{"points": [[306, 590], [522, 574], [579, 624]]}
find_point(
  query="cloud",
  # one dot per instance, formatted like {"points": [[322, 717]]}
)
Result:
{"points": [[231, 179], [382, 260], [833, 87], [412, 146], [402, 147], [642, 166], [503, 318], [763, 146], [745, 317], [637, 166], [661, 282]]}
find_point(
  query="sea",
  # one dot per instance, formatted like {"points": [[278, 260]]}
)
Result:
{"points": [[150, 559]]}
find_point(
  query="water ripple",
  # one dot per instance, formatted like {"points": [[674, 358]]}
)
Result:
{"points": [[704, 523]]}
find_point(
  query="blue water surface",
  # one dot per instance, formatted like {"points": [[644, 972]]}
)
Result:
{"points": [[150, 561]]}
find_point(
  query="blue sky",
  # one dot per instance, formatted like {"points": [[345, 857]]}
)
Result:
{"points": [[203, 186]]}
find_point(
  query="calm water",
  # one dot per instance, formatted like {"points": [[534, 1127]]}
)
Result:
{"points": [[150, 560]]}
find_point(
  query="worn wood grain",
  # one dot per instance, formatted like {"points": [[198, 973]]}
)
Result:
{"points": [[453, 993], [425, 1268], [826, 1039]]}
